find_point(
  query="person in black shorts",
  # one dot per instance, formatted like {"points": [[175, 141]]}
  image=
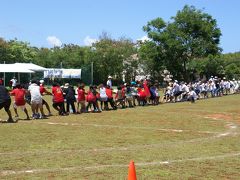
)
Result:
{"points": [[5, 102]]}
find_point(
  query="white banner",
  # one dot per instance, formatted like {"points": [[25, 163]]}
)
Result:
{"points": [[71, 73], [63, 73]]}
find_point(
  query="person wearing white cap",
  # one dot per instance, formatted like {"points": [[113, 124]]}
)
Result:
{"points": [[13, 82], [109, 81]]}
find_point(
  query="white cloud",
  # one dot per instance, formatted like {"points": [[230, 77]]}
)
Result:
{"points": [[143, 39], [89, 41], [54, 41]]}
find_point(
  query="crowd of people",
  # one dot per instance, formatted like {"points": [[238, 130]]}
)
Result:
{"points": [[67, 100], [214, 87]]}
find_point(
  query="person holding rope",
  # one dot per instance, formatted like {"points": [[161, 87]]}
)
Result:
{"points": [[5, 102]]}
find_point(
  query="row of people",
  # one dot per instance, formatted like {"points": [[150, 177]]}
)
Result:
{"points": [[103, 97], [95, 99], [214, 87]]}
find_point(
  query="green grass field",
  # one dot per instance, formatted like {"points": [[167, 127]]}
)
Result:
{"points": [[169, 141]]}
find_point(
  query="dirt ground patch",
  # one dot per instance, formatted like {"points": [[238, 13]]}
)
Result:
{"points": [[220, 117]]}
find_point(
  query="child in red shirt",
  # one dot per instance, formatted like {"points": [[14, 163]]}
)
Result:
{"points": [[141, 96], [81, 98], [92, 99], [44, 91], [110, 97], [19, 96], [58, 99]]}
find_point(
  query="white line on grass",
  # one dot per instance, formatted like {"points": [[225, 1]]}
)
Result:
{"points": [[142, 164], [130, 127], [215, 112]]}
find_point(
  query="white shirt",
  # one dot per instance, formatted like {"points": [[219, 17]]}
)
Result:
{"points": [[34, 90], [109, 83], [176, 87], [184, 88], [14, 82], [227, 85], [193, 94], [102, 92]]}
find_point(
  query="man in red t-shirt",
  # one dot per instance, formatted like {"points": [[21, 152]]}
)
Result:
{"points": [[81, 98], [44, 91], [19, 100], [58, 99], [109, 93]]}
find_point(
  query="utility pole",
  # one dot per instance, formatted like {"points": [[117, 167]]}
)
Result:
{"points": [[30, 74], [4, 77], [92, 73]]}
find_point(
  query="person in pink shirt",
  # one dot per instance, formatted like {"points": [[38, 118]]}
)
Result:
{"points": [[147, 90]]}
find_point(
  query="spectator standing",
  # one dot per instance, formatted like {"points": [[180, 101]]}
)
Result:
{"points": [[13, 82], [109, 81]]}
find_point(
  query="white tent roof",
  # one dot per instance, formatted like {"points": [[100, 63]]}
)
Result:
{"points": [[31, 66], [14, 68]]}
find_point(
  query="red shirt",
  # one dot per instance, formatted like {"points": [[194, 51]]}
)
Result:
{"points": [[141, 93], [145, 85], [42, 89], [57, 94], [81, 94], [91, 97], [19, 95], [109, 93]]}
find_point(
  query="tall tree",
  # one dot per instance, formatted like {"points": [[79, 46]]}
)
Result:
{"points": [[4, 51], [192, 34], [109, 56], [21, 51]]}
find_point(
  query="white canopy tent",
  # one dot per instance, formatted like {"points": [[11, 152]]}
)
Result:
{"points": [[20, 68], [12, 68], [31, 66]]}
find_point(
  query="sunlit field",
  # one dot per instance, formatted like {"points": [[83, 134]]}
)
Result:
{"points": [[169, 141]]}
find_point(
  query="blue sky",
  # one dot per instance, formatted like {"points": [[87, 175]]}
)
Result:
{"points": [[47, 22]]}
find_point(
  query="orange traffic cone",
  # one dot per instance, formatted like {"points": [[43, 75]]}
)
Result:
{"points": [[132, 171]]}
